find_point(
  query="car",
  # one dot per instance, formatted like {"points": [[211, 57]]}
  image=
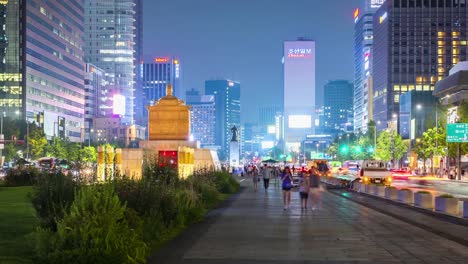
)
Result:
{"points": [[401, 174], [375, 171]]}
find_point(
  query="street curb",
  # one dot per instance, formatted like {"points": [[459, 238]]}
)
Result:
{"points": [[448, 218]]}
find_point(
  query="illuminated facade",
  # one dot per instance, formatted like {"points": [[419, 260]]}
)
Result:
{"points": [[111, 32], [42, 67], [157, 75], [11, 66], [266, 116], [97, 100], [415, 45], [338, 107], [363, 39], [227, 102], [203, 116], [298, 90], [112, 130]]}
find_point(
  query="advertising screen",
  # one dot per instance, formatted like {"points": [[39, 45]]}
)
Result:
{"points": [[268, 144], [299, 121], [119, 104]]}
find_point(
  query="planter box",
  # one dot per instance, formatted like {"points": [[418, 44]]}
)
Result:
{"points": [[379, 190], [465, 209], [368, 188], [357, 186], [424, 200], [391, 193], [446, 205], [405, 196]]}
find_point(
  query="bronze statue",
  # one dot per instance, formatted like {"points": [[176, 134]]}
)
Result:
{"points": [[235, 136]]}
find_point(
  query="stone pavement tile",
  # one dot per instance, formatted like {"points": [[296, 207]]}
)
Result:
{"points": [[253, 228]]}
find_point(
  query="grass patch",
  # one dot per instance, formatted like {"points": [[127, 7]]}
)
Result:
{"points": [[17, 220]]}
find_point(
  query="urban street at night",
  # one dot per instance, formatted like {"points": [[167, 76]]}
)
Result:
{"points": [[233, 131]]}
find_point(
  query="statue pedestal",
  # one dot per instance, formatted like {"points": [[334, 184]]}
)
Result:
{"points": [[234, 154]]}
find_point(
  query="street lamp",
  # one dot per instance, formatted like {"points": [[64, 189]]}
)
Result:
{"points": [[91, 131], [317, 145], [375, 139]]}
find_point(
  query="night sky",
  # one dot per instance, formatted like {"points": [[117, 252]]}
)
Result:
{"points": [[242, 40]]}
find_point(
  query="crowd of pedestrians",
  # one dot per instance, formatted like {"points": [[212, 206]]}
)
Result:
{"points": [[308, 180]]}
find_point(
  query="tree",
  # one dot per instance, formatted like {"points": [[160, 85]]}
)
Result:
{"points": [[36, 141], [10, 151], [88, 154], [73, 151], [390, 146], [56, 149], [422, 150]]}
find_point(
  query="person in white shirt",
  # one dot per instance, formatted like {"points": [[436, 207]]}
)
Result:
{"points": [[266, 176]]}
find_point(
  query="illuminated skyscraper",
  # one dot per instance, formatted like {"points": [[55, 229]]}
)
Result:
{"points": [[41, 64], [363, 39], [415, 45], [227, 102], [111, 32], [299, 91], [203, 117], [157, 75], [338, 106]]}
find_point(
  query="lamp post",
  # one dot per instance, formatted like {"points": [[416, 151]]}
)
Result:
{"points": [[419, 107], [375, 139], [89, 136], [1, 133], [317, 145]]}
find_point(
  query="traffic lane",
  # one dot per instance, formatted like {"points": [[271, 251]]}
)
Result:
{"points": [[434, 187], [254, 228]]}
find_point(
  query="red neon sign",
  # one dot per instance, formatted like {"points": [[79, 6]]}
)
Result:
{"points": [[161, 60]]}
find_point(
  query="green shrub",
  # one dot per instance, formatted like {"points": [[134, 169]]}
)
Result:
{"points": [[98, 229], [51, 198], [225, 183], [446, 196], [23, 176], [423, 192]]}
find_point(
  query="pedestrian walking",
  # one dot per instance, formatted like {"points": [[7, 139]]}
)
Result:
{"points": [[315, 187], [304, 187], [286, 179], [255, 178], [266, 176]]}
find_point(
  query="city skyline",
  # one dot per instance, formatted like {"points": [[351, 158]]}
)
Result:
{"points": [[232, 48]]}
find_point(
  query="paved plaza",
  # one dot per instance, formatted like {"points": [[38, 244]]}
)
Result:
{"points": [[252, 227]]}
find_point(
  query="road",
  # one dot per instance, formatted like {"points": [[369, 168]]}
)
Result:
{"points": [[252, 227], [458, 189]]}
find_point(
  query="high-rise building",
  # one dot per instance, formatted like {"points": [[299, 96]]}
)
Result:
{"points": [[157, 75], [417, 113], [227, 101], [363, 39], [111, 32], [266, 115], [97, 100], [203, 116], [41, 66], [298, 91], [338, 106], [415, 45], [140, 107]]}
